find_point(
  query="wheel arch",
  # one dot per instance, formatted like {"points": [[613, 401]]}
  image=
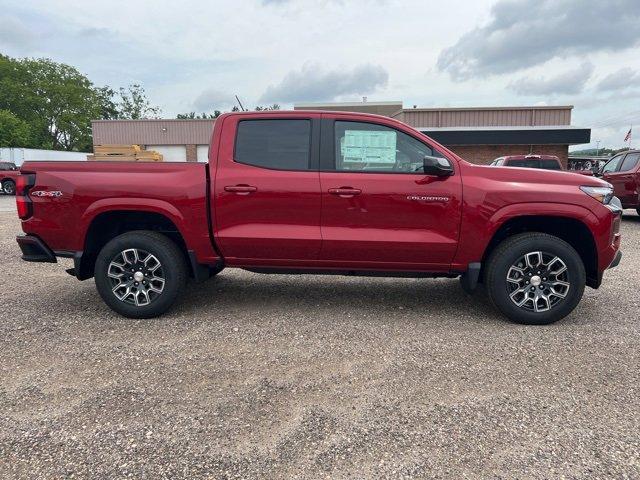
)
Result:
{"points": [[572, 230], [108, 224]]}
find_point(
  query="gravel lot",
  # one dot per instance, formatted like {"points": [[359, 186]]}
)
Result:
{"points": [[256, 376]]}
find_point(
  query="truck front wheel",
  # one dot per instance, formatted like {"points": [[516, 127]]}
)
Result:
{"points": [[140, 274], [535, 278]]}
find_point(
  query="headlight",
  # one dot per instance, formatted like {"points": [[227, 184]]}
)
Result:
{"points": [[601, 194]]}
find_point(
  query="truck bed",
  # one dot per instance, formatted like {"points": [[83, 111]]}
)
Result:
{"points": [[87, 189]]}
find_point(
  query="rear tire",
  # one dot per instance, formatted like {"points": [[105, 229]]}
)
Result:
{"points": [[535, 278], [140, 274], [9, 187]]}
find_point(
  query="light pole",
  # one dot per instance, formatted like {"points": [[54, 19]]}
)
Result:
{"points": [[597, 148]]}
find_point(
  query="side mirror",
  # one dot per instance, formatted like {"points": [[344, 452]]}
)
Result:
{"points": [[437, 167]]}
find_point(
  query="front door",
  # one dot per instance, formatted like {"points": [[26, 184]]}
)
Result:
{"points": [[379, 210], [624, 180], [267, 190]]}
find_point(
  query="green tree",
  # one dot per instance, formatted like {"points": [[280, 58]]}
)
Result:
{"points": [[134, 104], [13, 131], [260, 108], [56, 100], [202, 116]]}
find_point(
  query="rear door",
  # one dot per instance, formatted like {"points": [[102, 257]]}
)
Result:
{"points": [[379, 210], [266, 207]]}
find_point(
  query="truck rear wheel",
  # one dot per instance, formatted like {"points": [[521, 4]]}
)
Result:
{"points": [[535, 278], [9, 187], [140, 274]]}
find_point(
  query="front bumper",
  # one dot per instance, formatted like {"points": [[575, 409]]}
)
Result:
{"points": [[34, 249]]}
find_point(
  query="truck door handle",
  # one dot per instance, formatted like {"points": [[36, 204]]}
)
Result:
{"points": [[345, 191], [241, 189]]}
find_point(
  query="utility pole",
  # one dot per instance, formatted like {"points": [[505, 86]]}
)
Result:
{"points": [[597, 148]]}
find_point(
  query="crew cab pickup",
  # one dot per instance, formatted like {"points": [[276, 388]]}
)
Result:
{"points": [[323, 193], [8, 174], [545, 162], [623, 172]]}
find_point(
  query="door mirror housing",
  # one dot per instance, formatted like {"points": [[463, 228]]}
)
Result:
{"points": [[437, 166]]}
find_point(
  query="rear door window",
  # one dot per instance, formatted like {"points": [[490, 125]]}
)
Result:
{"points": [[279, 144]]}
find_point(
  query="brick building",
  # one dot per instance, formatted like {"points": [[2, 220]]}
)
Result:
{"points": [[482, 134], [477, 134]]}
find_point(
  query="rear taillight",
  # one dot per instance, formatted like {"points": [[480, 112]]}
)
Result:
{"points": [[24, 182]]}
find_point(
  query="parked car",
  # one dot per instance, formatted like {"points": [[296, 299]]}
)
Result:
{"points": [[323, 193], [8, 174], [623, 172], [545, 162]]}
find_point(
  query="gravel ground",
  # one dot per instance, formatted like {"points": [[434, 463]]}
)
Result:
{"points": [[256, 376]]}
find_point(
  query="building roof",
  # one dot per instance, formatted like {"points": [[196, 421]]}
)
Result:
{"points": [[450, 126], [387, 109]]}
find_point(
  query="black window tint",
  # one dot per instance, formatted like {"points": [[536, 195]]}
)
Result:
{"points": [[630, 162], [277, 144], [369, 147], [525, 163], [550, 164], [7, 166]]}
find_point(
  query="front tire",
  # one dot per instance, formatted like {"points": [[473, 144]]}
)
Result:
{"points": [[535, 278], [140, 274], [9, 187]]}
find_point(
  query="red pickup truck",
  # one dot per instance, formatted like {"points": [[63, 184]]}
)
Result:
{"points": [[623, 172], [322, 193], [532, 160], [8, 174]]}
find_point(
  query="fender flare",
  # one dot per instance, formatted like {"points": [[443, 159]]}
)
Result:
{"points": [[131, 204]]}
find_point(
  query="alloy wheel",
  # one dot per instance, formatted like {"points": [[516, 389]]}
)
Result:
{"points": [[538, 281], [136, 277]]}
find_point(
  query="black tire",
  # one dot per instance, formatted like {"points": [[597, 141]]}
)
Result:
{"points": [[507, 255], [9, 187], [173, 269]]}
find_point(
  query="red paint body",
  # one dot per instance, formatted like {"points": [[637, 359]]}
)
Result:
{"points": [[626, 183], [315, 219], [8, 174]]}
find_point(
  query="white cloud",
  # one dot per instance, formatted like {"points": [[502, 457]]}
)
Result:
{"points": [[312, 83], [566, 83]]}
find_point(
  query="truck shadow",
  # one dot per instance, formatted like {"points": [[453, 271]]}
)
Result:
{"points": [[309, 295]]}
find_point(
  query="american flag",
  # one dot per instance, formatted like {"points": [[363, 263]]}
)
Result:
{"points": [[628, 137]]}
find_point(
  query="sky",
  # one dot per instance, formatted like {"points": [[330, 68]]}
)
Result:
{"points": [[196, 55]]}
